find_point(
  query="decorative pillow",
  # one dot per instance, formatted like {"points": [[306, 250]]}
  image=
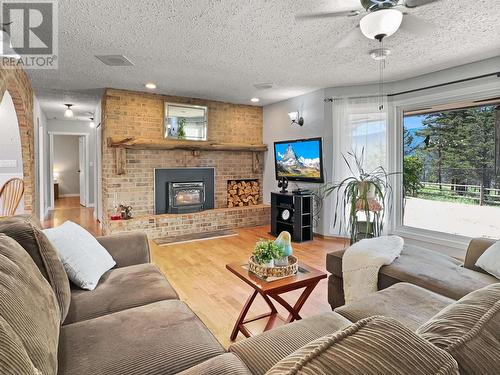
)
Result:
{"points": [[13, 357], [85, 260], [28, 305], [26, 230], [375, 346], [469, 330], [490, 260]]}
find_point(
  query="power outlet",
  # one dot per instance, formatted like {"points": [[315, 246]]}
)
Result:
{"points": [[8, 163]]}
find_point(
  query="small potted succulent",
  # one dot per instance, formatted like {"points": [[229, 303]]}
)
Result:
{"points": [[266, 251]]}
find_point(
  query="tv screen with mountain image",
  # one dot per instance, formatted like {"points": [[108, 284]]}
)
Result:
{"points": [[299, 160]]}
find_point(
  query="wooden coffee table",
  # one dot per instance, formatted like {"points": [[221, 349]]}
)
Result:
{"points": [[307, 277]]}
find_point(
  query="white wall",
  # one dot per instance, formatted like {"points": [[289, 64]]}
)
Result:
{"points": [[66, 163], [40, 125], [277, 127], [75, 127], [318, 117], [10, 143]]}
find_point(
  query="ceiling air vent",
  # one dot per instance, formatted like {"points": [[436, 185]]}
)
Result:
{"points": [[263, 85], [114, 60]]}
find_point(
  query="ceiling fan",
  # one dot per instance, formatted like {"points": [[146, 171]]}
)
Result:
{"points": [[381, 19]]}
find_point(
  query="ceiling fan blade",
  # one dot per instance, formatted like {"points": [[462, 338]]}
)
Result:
{"points": [[417, 3], [346, 13], [416, 25], [350, 38]]}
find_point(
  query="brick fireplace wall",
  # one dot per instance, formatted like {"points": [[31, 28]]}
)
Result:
{"points": [[140, 115]]}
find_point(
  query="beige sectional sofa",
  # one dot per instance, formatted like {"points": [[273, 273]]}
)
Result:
{"points": [[134, 323], [428, 269]]}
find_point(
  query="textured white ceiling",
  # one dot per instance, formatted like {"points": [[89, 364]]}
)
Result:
{"points": [[219, 49]]}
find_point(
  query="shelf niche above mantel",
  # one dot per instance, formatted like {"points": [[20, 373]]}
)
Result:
{"points": [[121, 145]]}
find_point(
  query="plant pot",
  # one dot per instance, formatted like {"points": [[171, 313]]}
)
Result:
{"points": [[366, 188], [281, 262], [268, 264]]}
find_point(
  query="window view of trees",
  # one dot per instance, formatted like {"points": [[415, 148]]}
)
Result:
{"points": [[452, 156]]}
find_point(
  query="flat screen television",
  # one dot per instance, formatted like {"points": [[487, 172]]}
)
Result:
{"points": [[299, 160]]}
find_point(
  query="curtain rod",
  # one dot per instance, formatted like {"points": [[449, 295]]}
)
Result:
{"points": [[330, 100], [447, 83]]}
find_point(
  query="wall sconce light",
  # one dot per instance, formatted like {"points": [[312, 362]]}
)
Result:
{"points": [[296, 118]]}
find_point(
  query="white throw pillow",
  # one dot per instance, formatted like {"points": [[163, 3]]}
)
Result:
{"points": [[84, 259], [490, 260]]}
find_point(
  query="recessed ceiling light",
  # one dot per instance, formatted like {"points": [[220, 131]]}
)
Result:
{"points": [[255, 100], [150, 85]]}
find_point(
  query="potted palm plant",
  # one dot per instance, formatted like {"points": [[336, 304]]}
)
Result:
{"points": [[366, 192]]}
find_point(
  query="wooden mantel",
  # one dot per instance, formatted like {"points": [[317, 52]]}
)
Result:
{"points": [[121, 145], [140, 144]]}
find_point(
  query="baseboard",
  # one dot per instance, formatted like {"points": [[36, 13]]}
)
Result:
{"points": [[68, 195]]}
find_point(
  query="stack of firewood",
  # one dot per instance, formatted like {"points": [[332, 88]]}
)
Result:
{"points": [[242, 193]]}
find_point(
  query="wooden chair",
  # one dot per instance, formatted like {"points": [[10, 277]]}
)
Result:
{"points": [[10, 196]]}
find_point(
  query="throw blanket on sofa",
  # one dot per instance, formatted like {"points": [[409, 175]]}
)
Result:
{"points": [[362, 261]]}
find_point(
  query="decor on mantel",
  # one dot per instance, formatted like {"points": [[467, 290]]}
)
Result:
{"points": [[186, 121], [181, 130]]}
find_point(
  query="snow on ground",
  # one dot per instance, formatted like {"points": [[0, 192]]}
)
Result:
{"points": [[455, 218]]}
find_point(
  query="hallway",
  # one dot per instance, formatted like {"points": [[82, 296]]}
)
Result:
{"points": [[69, 209]]}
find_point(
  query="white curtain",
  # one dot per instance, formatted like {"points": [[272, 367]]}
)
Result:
{"points": [[360, 126]]}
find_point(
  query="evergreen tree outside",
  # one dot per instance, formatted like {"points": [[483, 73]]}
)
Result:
{"points": [[454, 147]]}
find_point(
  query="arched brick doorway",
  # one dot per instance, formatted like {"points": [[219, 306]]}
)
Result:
{"points": [[18, 84]]}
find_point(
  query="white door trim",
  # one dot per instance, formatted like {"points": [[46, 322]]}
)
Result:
{"points": [[51, 163]]}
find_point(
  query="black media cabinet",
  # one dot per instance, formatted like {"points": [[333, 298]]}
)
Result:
{"points": [[299, 222]]}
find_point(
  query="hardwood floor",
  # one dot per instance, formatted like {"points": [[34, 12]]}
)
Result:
{"points": [[197, 271], [69, 208]]}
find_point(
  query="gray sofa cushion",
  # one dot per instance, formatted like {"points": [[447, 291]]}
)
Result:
{"points": [[164, 338], [375, 346], [469, 330], [127, 249], [120, 289], [13, 357], [426, 268], [408, 304], [28, 305], [225, 364], [26, 230], [263, 351]]}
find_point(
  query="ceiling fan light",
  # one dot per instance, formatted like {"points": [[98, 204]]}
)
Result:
{"points": [[381, 23]]}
